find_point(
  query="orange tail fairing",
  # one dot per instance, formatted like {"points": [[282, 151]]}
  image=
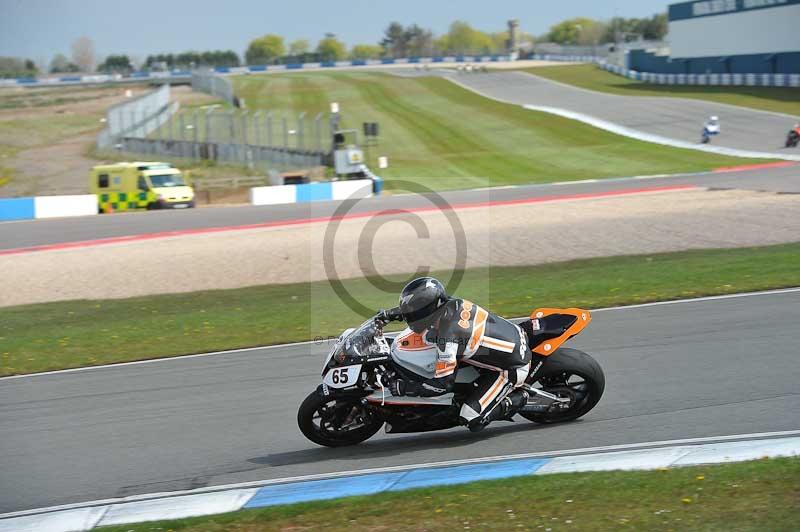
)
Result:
{"points": [[583, 317]]}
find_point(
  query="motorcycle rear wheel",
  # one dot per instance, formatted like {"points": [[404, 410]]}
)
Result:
{"points": [[570, 373], [317, 413]]}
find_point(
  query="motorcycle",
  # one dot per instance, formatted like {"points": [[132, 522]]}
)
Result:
{"points": [[352, 403], [709, 130], [793, 138]]}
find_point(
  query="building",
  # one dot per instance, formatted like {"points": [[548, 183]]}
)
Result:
{"points": [[727, 37]]}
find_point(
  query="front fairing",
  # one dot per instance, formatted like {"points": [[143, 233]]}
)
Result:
{"points": [[355, 346]]}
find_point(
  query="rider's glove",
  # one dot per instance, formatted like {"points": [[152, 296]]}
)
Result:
{"points": [[385, 316], [397, 387]]}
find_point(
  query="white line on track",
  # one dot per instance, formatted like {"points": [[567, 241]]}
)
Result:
{"points": [[307, 342], [390, 469]]}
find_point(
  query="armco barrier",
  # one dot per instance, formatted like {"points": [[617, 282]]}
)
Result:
{"points": [[47, 207], [334, 190]]}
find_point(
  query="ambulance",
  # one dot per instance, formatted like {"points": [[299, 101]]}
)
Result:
{"points": [[139, 185]]}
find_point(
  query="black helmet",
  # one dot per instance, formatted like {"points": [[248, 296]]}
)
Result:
{"points": [[420, 300]]}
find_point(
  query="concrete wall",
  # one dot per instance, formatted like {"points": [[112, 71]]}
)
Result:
{"points": [[334, 190], [47, 207]]}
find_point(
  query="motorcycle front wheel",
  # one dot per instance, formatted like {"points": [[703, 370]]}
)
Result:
{"points": [[336, 422], [573, 374]]}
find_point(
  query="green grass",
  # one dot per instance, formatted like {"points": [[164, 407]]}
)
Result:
{"points": [[757, 495], [445, 137], [81, 333], [776, 99]]}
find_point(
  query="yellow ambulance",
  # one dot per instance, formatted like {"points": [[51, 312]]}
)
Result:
{"points": [[140, 185]]}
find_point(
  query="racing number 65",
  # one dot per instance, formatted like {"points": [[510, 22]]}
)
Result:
{"points": [[339, 376]]}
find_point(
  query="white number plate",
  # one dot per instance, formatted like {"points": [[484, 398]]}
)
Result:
{"points": [[342, 377], [181, 206]]}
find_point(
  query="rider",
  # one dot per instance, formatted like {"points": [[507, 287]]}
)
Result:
{"points": [[712, 124], [464, 332]]}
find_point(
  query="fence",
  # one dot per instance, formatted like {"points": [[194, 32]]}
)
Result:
{"points": [[262, 157], [137, 117], [206, 81]]}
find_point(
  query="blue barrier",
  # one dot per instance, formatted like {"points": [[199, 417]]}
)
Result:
{"points": [[17, 209], [314, 192], [141, 75]]}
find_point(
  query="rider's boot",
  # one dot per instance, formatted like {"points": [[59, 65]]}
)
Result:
{"points": [[505, 409]]}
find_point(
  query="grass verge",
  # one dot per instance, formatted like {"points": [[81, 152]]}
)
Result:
{"points": [[443, 136], [82, 333], [775, 99], [757, 495]]}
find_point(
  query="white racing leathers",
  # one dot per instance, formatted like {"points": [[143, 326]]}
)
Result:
{"points": [[469, 334]]}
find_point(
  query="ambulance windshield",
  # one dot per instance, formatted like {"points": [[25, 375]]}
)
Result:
{"points": [[167, 180]]}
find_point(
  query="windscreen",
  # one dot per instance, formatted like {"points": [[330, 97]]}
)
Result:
{"points": [[167, 180]]}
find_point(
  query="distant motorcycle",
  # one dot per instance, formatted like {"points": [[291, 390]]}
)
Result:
{"points": [[352, 402], [710, 129], [793, 138]]}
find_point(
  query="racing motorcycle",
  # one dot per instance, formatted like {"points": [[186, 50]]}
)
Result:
{"points": [[793, 138], [352, 403], [709, 130]]}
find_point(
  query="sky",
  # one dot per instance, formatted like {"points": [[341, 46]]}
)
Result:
{"points": [[38, 29]]}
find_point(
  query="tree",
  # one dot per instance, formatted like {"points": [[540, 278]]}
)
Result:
{"points": [[299, 47], [331, 49], [119, 64], [441, 46], [464, 39], [395, 40], [14, 67], [83, 53], [418, 41], [60, 63], [366, 51], [569, 31], [265, 49], [499, 41], [627, 29]]}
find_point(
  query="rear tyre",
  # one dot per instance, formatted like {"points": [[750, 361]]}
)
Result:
{"points": [[574, 374], [321, 420]]}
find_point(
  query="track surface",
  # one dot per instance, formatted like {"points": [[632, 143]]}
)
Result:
{"points": [[45, 232], [693, 369], [676, 118]]}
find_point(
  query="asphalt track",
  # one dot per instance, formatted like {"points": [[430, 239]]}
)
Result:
{"points": [[13, 235], [690, 369], [675, 118]]}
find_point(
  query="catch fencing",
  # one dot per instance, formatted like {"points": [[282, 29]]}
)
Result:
{"points": [[206, 81], [260, 140], [137, 117]]}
